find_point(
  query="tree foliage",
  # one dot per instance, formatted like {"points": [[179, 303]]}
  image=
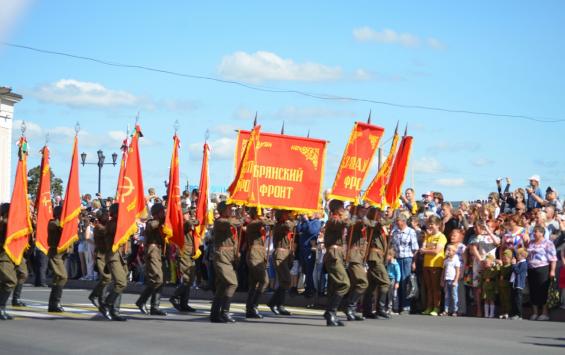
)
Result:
{"points": [[33, 182]]}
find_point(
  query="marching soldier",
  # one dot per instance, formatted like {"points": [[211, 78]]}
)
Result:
{"points": [[338, 281], [377, 273], [256, 261], [97, 295], [154, 242], [187, 267], [226, 255], [117, 267], [8, 278], [56, 261], [356, 268], [283, 240]]}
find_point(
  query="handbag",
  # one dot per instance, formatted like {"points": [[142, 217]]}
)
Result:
{"points": [[553, 296], [412, 287]]}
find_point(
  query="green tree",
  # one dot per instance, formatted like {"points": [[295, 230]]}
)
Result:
{"points": [[33, 182]]}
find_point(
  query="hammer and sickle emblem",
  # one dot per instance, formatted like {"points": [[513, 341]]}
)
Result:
{"points": [[127, 188], [46, 201]]}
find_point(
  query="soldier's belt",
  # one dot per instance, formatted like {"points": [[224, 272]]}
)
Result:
{"points": [[282, 249], [225, 248], [376, 250], [257, 246], [335, 246]]}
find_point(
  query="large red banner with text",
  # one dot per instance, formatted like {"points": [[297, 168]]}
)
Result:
{"points": [[287, 172], [356, 161]]}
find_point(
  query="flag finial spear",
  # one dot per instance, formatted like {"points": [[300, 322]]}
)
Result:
{"points": [[308, 135], [255, 120], [369, 119], [406, 130], [206, 135], [23, 128], [176, 126], [282, 128], [77, 128], [396, 129]]}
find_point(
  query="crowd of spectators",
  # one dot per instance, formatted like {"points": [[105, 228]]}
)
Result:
{"points": [[483, 258]]}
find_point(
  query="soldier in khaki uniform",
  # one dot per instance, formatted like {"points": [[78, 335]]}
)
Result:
{"points": [[8, 278], [255, 234], [154, 242], [187, 267], [97, 295], [356, 268], [283, 241], [56, 261], [377, 273], [338, 281], [226, 256], [117, 267]]}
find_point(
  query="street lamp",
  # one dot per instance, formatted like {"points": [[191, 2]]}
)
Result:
{"points": [[100, 163]]}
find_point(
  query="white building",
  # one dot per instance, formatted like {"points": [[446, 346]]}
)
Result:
{"points": [[7, 101]]}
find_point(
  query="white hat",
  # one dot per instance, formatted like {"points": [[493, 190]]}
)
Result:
{"points": [[535, 177]]}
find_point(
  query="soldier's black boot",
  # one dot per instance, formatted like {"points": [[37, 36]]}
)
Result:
{"points": [[113, 301], [368, 306], [184, 298], [175, 299], [282, 310], [16, 296], [382, 305], [141, 302], [251, 305], [94, 298], [4, 296], [256, 297], [54, 299], [103, 306], [330, 315], [274, 302], [350, 310], [225, 311], [215, 312], [155, 302]]}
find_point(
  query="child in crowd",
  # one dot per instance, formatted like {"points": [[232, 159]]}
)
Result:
{"points": [[504, 284], [450, 280], [518, 280], [433, 251], [456, 238], [488, 281], [393, 269]]}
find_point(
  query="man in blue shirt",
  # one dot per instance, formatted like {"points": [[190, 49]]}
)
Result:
{"points": [[532, 190], [308, 230], [405, 244]]}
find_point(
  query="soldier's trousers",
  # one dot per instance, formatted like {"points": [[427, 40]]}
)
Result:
{"points": [[21, 272], [154, 266], [187, 269], [338, 281], [378, 280], [105, 276], [8, 278], [357, 278], [57, 264], [283, 264], [257, 271], [117, 267], [226, 277]]}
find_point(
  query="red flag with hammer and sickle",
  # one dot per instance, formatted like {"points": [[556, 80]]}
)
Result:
{"points": [[71, 205], [43, 205], [19, 218], [131, 198], [174, 223]]}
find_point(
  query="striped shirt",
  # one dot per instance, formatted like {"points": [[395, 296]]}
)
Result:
{"points": [[405, 242]]}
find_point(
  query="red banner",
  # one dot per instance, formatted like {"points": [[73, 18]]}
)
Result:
{"points": [[375, 193], [43, 205], [243, 189], [356, 160], [19, 219], [174, 221], [132, 199], [394, 187], [202, 204], [71, 205], [287, 172]]}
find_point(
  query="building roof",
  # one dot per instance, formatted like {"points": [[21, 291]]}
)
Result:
{"points": [[7, 92]]}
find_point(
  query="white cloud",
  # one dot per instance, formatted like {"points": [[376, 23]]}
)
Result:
{"points": [[388, 36], [10, 15], [75, 93], [455, 182], [220, 149], [428, 165], [363, 74], [267, 66], [482, 161]]}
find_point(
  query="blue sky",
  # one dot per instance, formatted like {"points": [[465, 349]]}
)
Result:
{"points": [[503, 57]]}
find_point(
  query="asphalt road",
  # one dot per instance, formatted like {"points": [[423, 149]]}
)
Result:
{"points": [[81, 331]]}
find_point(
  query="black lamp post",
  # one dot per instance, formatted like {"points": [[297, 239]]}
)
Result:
{"points": [[100, 163]]}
